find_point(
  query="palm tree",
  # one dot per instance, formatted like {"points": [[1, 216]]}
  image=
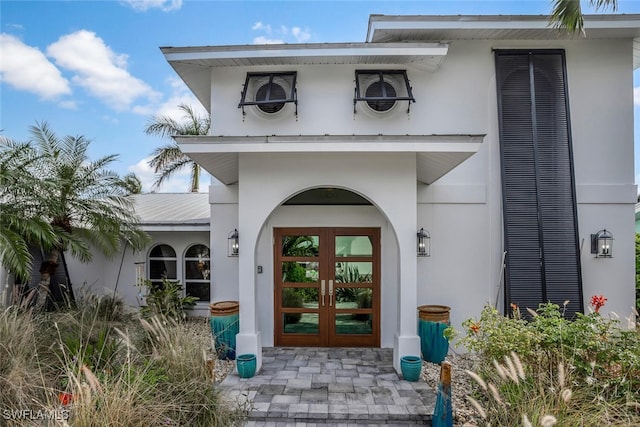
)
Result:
{"points": [[169, 159], [567, 14], [20, 224], [84, 202], [132, 183]]}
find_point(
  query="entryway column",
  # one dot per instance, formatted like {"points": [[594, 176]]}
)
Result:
{"points": [[407, 341], [399, 203], [251, 216]]}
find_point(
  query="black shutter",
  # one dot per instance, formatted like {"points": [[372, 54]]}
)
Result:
{"points": [[539, 208]]}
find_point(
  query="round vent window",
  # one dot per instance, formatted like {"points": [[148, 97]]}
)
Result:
{"points": [[277, 92], [375, 91]]}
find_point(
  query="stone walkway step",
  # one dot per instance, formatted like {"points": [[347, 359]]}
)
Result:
{"points": [[330, 386]]}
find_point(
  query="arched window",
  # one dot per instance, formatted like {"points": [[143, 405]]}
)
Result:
{"points": [[162, 264], [197, 271]]}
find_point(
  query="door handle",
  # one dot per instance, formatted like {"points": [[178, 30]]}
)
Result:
{"points": [[322, 290], [330, 293]]}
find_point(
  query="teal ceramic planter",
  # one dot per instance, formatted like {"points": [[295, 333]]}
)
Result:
{"points": [[433, 344], [225, 325], [246, 364], [434, 319], [411, 367]]}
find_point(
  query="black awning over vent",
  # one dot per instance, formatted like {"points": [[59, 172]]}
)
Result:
{"points": [[269, 92], [382, 89]]}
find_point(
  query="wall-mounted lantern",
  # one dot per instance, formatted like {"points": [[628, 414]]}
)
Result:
{"points": [[602, 244], [233, 248], [424, 243]]}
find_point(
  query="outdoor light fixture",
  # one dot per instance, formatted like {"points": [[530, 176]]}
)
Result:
{"points": [[602, 244], [424, 245], [232, 241]]}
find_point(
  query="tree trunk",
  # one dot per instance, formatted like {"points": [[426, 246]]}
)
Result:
{"points": [[47, 271]]}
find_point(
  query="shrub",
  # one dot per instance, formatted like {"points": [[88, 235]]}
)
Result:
{"points": [[599, 360], [19, 365], [291, 298], [101, 375], [166, 300]]}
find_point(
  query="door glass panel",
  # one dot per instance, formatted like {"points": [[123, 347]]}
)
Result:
{"points": [[353, 246], [354, 272], [299, 272], [300, 323], [307, 246], [353, 297], [354, 324], [300, 297]]}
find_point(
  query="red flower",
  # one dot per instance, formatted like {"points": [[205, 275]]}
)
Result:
{"points": [[65, 398], [597, 302], [475, 328]]}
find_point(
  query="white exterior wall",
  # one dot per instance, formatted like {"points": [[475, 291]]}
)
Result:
{"points": [[266, 181], [462, 210], [104, 275], [224, 219]]}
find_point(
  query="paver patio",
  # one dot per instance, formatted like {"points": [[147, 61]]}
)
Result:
{"points": [[300, 386]]}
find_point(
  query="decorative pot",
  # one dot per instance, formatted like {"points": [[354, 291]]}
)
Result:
{"points": [[434, 319], [225, 323], [246, 364], [411, 367]]}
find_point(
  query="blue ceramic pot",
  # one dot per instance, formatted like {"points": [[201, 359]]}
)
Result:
{"points": [[433, 320], [411, 367], [225, 323], [246, 364]]}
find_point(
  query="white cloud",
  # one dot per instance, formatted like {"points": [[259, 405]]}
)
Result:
{"points": [[280, 34], [179, 183], [99, 70], [68, 105], [27, 68], [636, 95], [265, 40], [180, 94], [300, 34], [164, 5], [260, 26]]}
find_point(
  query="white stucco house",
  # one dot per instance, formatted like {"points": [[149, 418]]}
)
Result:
{"points": [[506, 142]]}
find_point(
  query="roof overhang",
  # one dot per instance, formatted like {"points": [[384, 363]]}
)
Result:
{"points": [[194, 64], [439, 28], [436, 155]]}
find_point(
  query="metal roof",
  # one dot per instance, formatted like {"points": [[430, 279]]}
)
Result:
{"points": [[172, 209]]}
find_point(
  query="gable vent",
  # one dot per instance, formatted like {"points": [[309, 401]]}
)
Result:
{"points": [[382, 89], [269, 92]]}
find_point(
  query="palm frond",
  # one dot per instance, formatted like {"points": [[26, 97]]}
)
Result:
{"points": [[567, 14], [169, 159]]}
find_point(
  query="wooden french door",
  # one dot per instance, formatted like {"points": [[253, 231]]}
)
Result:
{"points": [[327, 286]]}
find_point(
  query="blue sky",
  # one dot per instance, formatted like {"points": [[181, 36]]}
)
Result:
{"points": [[94, 68]]}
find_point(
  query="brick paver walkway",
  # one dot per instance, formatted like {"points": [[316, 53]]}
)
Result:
{"points": [[330, 386]]}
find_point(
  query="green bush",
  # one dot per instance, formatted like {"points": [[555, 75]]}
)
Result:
{"points": [[106, 375], [598, 356], [166, 300], [291, 298]]}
